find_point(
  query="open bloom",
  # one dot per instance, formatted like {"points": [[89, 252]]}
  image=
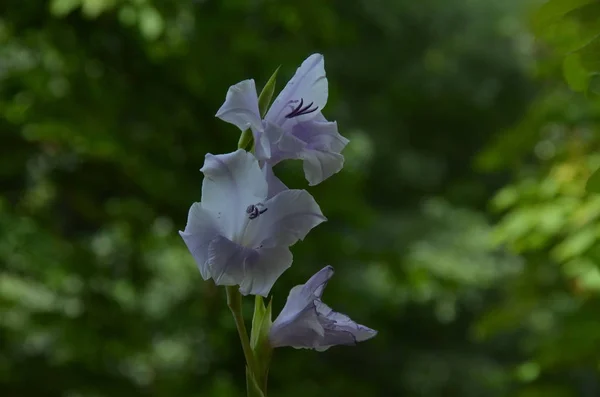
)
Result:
{"points": [[306, 322], [294, 127], [238, 234]]}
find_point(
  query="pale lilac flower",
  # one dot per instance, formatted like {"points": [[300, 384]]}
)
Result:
{"points": [[294, 127], [238, 234], [306, 322]]}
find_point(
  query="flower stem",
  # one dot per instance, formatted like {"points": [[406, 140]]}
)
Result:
{"points": [[234, 301]]}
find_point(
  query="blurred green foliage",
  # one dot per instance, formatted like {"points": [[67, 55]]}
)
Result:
{"points": [[571, 26], [460, 227]]}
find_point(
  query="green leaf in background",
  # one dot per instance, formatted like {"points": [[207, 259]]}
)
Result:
{"points": [[108, 89], [575, 73], [593, 183], [572, 28], [552, 11], [61, 8]]}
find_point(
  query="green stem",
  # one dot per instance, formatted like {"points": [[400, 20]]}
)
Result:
{"points": [[234, 301]]}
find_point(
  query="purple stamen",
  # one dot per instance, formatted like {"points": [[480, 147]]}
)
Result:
{"points": [[299, 110]]}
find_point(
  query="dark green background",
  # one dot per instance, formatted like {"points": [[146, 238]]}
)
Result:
{"points": [[459, 228]]}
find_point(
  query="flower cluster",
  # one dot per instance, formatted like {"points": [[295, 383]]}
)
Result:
{"points": [[240, 232]]}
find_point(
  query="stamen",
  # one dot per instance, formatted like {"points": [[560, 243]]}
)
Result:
{"points": [[253, 210], [294, 110], [299, 110]]}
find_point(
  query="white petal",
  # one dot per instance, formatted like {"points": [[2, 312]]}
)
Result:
{"points": [[320, 135], [309, 84], [317, 283], [318, 143], [282, 145], [231, 183], [261, 274], [241, 106], [305, 331], [275, 184], [323, 145], [290, 215], [199, 231], [262, 144], [319, 165], [228, 261], [302, 297], [340, 329]]}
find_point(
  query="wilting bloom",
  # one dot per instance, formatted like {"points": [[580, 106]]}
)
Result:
{"points": [[306, 322], [238, 234], [294, 127]]}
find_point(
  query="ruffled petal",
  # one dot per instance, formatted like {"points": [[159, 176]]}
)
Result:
{"points": [[317, 142], [254, 270], [308, 85], [319, 166], [322, 147], [288, 217], [340, 329], [241, 106], [232, 182], [261, 274], [320, 135], [199, 231]]}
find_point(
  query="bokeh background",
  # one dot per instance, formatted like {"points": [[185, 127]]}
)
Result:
{"points": [[460, 227]]}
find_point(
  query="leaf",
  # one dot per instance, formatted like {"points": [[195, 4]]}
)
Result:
{"points": [[593, 183], [571, 26], [594, 84], [554, 10], [575, 245]]}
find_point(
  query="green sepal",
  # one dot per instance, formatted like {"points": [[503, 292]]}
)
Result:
{"points": [[259, 340], [252, 388], [245, 139], [264, 99]]}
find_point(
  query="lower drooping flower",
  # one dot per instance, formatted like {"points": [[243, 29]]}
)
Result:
{"points": [[239, 234], [306, 322]]}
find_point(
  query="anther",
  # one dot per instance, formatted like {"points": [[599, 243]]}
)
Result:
{"points": [[253, 211]]}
